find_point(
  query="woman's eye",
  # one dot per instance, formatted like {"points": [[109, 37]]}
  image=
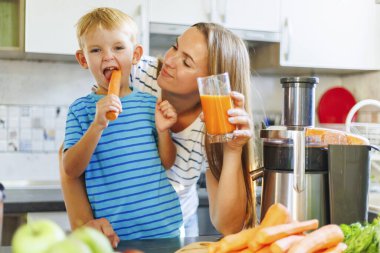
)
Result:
{"points": [[120, 48], [186, 64], [94, 50]]}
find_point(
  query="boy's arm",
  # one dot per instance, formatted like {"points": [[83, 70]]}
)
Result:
{"points": [[78, 156], [166, 149], [165, 117]]}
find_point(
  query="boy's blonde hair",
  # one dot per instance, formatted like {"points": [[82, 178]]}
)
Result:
{"points": [[107, 18]]}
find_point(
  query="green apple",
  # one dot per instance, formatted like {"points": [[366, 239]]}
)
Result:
{"points": [[94, 239], [36, 236], [69, 245]]}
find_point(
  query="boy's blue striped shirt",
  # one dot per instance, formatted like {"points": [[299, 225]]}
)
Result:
{"points": [[125, 180]]}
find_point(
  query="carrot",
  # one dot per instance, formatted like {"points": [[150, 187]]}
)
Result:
{"points": [[247, 250], [266, 249], [213, 247], [322, 238], [276, 214], [340, 247], [114, 88], [284, 244], [274, 233], [237, 241]]}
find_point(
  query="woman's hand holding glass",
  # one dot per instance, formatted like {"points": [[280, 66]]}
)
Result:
{"points": [[239, 117]]}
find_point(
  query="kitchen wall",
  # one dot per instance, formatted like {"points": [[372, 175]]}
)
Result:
{"points": [[59, 83]]}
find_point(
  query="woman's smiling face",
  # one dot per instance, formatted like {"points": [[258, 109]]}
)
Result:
{"points": [[186, 60]]}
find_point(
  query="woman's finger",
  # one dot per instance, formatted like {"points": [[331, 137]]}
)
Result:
{"points": [[238, 99], [239, 120], [243, 133], [202, 117], [237, 112]]}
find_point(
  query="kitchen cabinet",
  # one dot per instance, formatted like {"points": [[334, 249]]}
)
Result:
{"points": [[246, 15], [11, 26], [325, 34], [51, 25]]}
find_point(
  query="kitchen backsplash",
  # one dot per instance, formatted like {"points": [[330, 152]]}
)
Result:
{"points": [[31, 128], [29, 84]]}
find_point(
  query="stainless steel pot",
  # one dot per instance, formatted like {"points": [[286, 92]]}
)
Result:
{"points": [[312, 203], [278, 182]]}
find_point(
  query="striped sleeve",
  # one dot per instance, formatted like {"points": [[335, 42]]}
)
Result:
{"points": [[144, 76], [73, 131]]}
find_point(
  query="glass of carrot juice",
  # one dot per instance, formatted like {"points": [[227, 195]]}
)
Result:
{"points": [[216, 101]]}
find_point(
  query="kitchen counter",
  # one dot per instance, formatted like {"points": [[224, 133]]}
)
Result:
{"points": [[152, 246], [24, 200], [33, 200]]}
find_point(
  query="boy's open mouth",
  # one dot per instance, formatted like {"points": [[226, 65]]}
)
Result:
{"points": [[107, 72]]}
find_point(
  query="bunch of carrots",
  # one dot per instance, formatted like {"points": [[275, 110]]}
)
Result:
{"points": [[278, 233]]}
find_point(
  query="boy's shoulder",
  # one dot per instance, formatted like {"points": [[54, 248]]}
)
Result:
{"points": [[84, 100], [144, 96]]}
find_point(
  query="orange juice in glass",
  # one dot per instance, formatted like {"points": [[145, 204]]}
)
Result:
{"points": [[216, 101]]}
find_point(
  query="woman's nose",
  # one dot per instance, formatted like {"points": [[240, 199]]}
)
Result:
{"points": [[170, 59]]}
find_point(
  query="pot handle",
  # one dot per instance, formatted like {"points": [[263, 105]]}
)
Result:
{"points": [[256, 174]]}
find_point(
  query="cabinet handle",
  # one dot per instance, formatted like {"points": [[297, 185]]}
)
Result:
{"points": [[287, 33]]}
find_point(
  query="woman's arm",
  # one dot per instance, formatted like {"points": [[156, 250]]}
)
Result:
{"points": [[228, 196], [78, 208], [74, 194]]}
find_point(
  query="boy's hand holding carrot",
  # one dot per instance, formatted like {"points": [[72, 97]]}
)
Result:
{"points": [[109, 107]]}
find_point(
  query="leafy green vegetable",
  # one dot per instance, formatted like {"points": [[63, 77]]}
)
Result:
{"points": [[362, 238]]}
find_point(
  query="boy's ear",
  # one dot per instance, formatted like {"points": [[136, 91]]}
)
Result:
{"points": [[137, 53], [81, 59]]}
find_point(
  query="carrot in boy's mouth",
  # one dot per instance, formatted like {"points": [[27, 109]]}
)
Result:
{"points": [[114, 88]]}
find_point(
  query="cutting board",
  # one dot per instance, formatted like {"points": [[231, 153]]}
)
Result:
{"points": [[195, 247]]}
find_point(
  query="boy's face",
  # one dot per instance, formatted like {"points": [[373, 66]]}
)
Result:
{"points": [[105, 50]]}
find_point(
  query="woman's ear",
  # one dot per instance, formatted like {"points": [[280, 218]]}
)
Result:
{"points": [[137, 53], [81, 59]]}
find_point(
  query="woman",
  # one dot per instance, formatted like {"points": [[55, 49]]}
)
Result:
{"points": [[204, 49]]}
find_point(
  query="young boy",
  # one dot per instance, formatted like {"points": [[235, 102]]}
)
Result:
{"points": [[125, 179]]}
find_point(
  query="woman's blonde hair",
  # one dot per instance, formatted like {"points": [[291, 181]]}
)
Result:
{"points": [[228, 53], [107, 18]]}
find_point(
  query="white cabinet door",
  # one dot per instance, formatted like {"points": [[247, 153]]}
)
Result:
{"points": [[50, 26], [254, 15], [257, 15], [330, 34], [181, 12]]}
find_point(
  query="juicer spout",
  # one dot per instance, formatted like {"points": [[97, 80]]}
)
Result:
{"points": [[298, 137]]}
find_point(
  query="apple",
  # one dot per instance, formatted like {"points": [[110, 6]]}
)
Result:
{"points": [[36, 236], [94, 239], [69, 245]]}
